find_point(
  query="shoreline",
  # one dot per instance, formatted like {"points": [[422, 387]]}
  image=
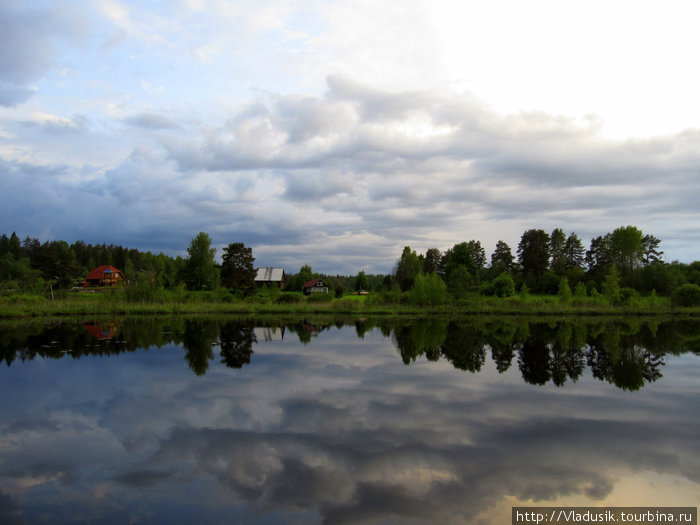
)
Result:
{"points": [[33, 307]]}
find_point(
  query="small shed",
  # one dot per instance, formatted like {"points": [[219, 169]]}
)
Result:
{"points": [[270, 276], [104, 276], [314, 286]]}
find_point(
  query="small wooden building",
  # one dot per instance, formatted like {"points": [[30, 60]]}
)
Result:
{"points": [[314, 286], [269, 276], [104, 276]]}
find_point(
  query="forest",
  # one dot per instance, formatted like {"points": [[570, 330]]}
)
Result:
{"points": [[622, 266]]}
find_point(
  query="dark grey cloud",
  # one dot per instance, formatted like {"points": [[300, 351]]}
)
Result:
{"points": [[311, 185]]}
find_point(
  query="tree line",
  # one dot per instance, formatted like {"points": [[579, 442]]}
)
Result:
{"points": [[619, 264], [28, 265]]}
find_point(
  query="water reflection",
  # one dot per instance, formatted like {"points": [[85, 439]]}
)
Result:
{"points": [[321, 422], [628, 354]]}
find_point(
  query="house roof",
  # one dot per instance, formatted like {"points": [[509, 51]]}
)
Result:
{"points": [[270, 274], [312, 283], [100, 271]]}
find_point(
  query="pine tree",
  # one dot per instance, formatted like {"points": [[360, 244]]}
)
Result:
{"points": [[237, 271]]}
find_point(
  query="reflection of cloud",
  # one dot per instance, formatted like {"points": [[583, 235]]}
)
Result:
{"points": [[340, 429], [38, 473], [395, 468], [142, 478], [10, 511]]}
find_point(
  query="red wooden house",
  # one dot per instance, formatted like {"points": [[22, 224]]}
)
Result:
{"points": [[104, 276], [314, 286]]}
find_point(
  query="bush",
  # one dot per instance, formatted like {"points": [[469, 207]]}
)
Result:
{"points": [[597, 296], [142, 291], [591, 287], [611, 285], [564, 291], [289, 298], [175, 293], [653, 300], [428, 289], [225, 296], [485, 289], [319, 298], [385, 297], [265, 294], [548, 283], [687, 295], [27, 299], [346, 304], [503, 285], [460, 282], [628, 295]]}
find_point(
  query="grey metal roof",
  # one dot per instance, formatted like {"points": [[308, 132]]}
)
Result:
{"points": [[269, 274]]}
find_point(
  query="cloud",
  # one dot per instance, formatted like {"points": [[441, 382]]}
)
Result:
{"points": [[31, 35], [12, 95], [362, 130], [345, 179], [54, 125], [423, 161], [151, 121]]}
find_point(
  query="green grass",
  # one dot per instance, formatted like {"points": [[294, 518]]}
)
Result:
{"points": [[218, 302]]}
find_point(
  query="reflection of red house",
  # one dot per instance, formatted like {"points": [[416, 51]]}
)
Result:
{"points": [[99, 333], [104, 276], [312, 328]]}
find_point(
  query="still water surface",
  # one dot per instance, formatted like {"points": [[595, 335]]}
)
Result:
{"points": [[227, 421]]}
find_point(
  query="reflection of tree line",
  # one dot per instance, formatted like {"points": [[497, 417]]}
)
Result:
{"points": [[198, 336], [626, 353]]}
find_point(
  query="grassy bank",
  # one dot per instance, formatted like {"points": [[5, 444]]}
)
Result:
{"points": [[119, 303]]}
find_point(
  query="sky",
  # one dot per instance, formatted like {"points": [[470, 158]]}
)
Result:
{"points": [[334, 133]]}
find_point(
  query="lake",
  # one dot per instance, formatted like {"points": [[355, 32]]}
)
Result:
{"points": [[225, 420]]}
